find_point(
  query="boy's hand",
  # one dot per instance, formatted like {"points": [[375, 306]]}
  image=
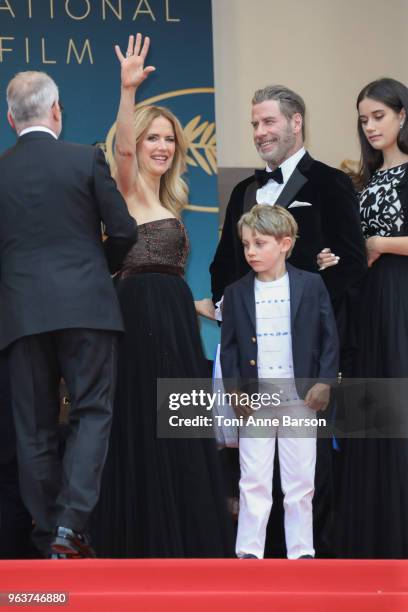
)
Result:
{"points": [[318, 396], [240, 410]]}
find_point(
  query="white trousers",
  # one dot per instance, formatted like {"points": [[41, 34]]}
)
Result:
{"points": [[297, 459]]}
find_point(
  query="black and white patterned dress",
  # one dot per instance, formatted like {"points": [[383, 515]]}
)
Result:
{"points": [[381, 210], [375, 495], [383, 344]]}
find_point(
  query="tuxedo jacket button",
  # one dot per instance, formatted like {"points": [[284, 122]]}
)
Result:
{"points": [[252, 362], [253, 339]]}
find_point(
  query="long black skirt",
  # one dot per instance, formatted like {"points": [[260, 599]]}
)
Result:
{"points": [[374, 499], [159, 497]]}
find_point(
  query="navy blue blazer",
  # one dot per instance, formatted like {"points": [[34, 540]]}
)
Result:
{"points": [[315, 345]]}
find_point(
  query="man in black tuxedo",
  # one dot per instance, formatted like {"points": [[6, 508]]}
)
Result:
{"points": [[324, 204], [321, 199], [59, 313]]}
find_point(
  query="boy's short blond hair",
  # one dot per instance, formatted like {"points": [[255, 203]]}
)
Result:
{"points": [[272, 221]]}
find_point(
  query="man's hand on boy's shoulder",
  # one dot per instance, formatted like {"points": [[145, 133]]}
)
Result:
{"points": [[318, 396]]}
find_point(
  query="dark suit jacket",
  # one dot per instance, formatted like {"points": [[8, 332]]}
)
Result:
{"points": [[54, 270], [332, 221], [315, 346]]}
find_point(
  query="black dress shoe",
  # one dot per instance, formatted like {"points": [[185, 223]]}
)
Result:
{"points": [[72, 543], [248, 556], [306, 557], [57, 556]]}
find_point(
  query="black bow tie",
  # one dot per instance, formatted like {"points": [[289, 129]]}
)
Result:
{"points": [[262, 176]]}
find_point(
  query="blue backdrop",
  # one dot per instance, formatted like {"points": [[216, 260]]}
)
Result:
{"points": [[73, 40]]}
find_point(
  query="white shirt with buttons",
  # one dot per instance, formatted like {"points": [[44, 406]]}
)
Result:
{"points": [[274, 335]]}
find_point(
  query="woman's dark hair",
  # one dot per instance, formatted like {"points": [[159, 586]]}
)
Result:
{"points": [[393, 94]]}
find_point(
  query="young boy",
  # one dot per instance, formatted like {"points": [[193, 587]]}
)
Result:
{"points": [[277, 324]]}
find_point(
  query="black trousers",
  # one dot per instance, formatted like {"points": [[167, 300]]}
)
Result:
{"points": [[15, 521], [62, 490]]}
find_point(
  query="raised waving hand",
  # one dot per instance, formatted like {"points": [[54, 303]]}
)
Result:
{"points": [[133, 70], [133, 73]]}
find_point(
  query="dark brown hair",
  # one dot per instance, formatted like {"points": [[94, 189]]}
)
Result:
{"points": [[393, 94]]}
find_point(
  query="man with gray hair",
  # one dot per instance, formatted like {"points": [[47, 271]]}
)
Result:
{"points": [[324, 205], [59, 313]]}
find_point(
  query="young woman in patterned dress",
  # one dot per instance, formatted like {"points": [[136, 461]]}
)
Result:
{"points": [[374, 505]]}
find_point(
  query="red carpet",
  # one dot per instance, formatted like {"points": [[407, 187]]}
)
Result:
{"points": [[205, 585]]}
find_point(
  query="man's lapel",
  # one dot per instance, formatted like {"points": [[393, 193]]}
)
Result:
{"points": [[248, 296], [295, 182], [250, 196]]}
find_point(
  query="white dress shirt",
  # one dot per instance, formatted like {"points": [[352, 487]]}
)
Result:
{"points": [[269, 193]]}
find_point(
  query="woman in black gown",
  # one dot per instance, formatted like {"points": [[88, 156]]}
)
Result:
{"points": [[159, 497], [374, 509]]}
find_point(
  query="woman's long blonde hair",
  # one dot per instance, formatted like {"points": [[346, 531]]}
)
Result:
{"points": [[173, 188]]}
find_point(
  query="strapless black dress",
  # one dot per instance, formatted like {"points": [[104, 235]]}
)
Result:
{"points": [[159, 497]]}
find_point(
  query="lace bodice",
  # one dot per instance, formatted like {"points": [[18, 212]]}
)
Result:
{"points": [[381, 211], [162, 246]]}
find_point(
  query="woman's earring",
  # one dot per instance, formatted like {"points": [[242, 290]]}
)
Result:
{"points": [[401, 124]]}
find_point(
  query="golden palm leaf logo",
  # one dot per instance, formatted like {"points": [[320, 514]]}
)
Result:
{"points": [[202, 144]]}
